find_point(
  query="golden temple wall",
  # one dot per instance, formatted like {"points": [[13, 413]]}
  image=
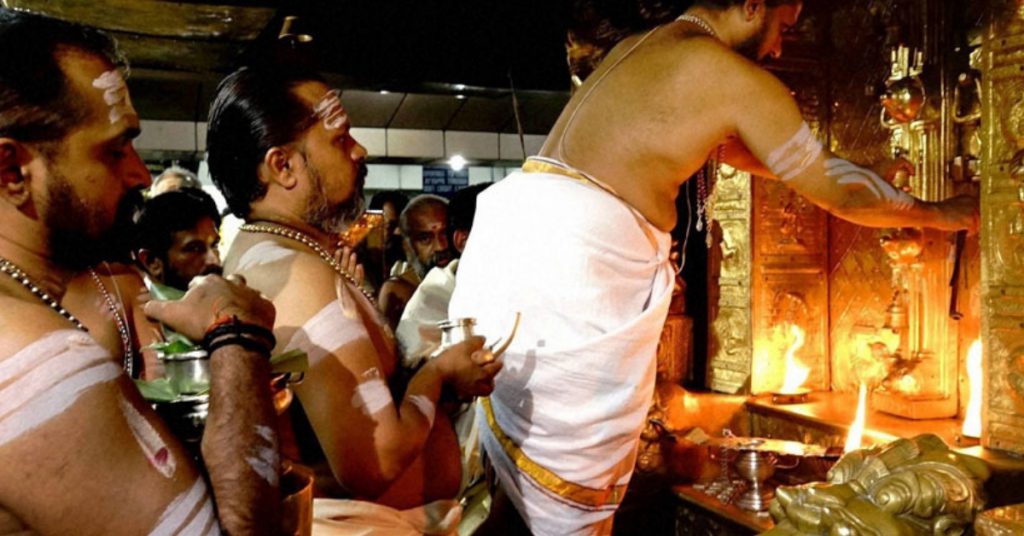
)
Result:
{"points": [[1002, 212], [833, 278]]}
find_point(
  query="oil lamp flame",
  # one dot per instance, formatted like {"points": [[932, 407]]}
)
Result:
{"points": [[972, 417], [853, 438], [796, 372]]}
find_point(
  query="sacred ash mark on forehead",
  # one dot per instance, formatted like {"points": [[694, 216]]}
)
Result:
{"points": [[330, 110], [115, 94]]}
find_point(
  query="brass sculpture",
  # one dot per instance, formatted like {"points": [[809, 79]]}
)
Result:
{"points": [[906, 487]]}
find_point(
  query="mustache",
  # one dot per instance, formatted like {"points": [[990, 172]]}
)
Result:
{"points": [[212, 270], [361, 176]]}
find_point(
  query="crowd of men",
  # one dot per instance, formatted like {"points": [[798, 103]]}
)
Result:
{"points": [[85, 232]]}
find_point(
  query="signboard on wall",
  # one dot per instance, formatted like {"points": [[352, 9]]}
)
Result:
{"points": [[443, 180]]}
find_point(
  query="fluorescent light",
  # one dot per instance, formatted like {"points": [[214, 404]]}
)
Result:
{"points": [[457, 162], [459, 87]]}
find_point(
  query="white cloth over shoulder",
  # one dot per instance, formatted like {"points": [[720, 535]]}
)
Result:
{"points": [[361, 518], [427, 306], [593, 283]]}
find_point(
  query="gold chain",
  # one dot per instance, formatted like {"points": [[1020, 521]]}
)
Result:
{"points": [[311, 244]]}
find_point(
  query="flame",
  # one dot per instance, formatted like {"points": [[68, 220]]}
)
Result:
{"points": [[796, 372], [907, 384], [972, 418], [853, 439]]}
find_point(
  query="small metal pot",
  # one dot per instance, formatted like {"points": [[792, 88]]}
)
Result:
{"points": [[456, 330], [186, 417], [187, 372]]}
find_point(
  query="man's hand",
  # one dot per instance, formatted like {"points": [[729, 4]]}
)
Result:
{"points": [[349, 261], [960, 212], [897, 171], [466, 367], [209, 299]]}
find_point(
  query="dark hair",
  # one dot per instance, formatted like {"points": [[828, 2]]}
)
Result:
{"points": [[395, 197], [254, 110], [418, 203], [598, 25], [463, 207], [171, 212], [37, 102], [726, 4]]}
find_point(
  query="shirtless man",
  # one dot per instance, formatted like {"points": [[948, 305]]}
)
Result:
{"points": [[175, 239], [80, 451], [566, 413], [280, 150], [424, 227]]}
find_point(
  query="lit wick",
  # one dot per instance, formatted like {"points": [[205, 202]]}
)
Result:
{"points": [[853, 439], [972, 416]]}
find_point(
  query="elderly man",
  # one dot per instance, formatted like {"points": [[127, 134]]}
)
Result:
{"points": [[424, 227], [173, 179], [589, 268], [80, 451], [281, 151]]}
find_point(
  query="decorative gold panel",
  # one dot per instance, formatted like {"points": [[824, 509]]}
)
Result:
{"points": [[730, 339], [1002, 257], [789, 282]]}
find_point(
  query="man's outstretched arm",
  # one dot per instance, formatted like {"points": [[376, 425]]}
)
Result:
{"points": [[770, 125]]}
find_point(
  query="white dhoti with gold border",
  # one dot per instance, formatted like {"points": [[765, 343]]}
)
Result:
{"points": [[593, 283]]}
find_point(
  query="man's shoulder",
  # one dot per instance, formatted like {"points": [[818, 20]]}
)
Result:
{"points": [[23, 323], [257, 251], [709, 56]]}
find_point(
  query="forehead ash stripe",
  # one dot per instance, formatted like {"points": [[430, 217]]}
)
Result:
{"points": [[330, 110], [115, 94]]}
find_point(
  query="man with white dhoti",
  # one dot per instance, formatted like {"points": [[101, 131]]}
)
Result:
{"points": [[577, 242], [281, 151]]}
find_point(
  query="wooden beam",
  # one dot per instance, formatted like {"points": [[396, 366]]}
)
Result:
{"points": [[157, 18]]}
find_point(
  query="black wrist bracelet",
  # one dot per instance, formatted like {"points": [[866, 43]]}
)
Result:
{"points": [[239, 340], [236, 328]]}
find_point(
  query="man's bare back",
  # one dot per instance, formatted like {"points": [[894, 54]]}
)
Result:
{"points": [[662, 102]]}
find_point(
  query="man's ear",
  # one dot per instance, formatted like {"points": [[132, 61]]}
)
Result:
{"points": [[152, 263], [14, 185], [751, 9], [279, 168]]}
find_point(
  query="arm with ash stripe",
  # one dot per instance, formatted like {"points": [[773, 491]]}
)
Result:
{"points": [[776, 135]]}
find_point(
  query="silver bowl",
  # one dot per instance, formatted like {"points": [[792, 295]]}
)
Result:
{"points": [[187, 372], [186, 417]]}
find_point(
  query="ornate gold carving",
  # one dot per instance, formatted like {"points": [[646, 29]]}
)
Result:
{"points": [[730, 330], [1002, 247], [909, 486], [1002, 521]]}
